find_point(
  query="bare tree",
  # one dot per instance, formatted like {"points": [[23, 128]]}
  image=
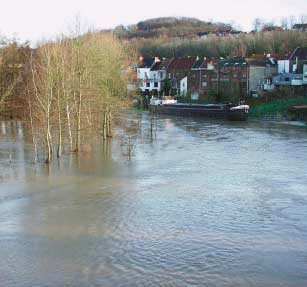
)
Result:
{"points": [[43, 79], [284, 23], [258, 24], [303, 18], [78, 82], [292, 21]]}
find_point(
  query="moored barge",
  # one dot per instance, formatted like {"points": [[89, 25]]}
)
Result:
{"points": [[170, 106]]}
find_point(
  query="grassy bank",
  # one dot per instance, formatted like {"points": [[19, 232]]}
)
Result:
{"points": [[276, 107]]}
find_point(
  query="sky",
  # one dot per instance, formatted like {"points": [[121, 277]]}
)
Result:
{"points": [[35, 20]]}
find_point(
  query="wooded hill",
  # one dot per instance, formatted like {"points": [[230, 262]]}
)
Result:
{"points": [[230, 46], [169, 27], [180, 37]]}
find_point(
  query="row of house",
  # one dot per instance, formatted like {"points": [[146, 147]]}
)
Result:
{"points": [[300, 27], [292, 69], [195, 76], [220, 33], [228, 31]]}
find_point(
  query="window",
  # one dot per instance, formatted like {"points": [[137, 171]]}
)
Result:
{"points": [[195, 96], [244, 75], [156, 84], [147, 85], [204, 84], [205, 75], [235, 75]]}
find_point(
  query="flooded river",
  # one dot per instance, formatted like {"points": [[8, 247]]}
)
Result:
{"points": [[180, 202]]}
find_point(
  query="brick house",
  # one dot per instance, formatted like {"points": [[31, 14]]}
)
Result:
{"points": [[233, 72], [204, 77], [179, 71], [237, 75]]}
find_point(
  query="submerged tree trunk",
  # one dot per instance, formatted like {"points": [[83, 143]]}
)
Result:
{"points": [[104, 126], [78, 136], [48, 142], [32, 128], [69, 127], [59, 150], [78, 119], [79, 105], [109, 127]]}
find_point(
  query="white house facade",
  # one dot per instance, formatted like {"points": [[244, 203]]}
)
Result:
{"points": [[184, 86], [151, 79]]}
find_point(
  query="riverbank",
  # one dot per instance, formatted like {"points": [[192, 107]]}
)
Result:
{"points": [[298, 124], [277, 109]]}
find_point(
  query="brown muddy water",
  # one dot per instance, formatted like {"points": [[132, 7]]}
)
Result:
{"points": [[178, 202]]}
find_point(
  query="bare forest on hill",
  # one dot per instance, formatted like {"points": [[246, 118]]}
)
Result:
{"points": [[213, 46]]}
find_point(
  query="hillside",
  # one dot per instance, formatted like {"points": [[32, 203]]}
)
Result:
{"points": [[169, 37], [229, 46], [169, 27]]}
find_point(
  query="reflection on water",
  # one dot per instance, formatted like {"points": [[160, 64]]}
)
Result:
{"points": [[170, 202]]}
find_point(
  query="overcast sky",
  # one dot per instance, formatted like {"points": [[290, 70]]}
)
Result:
{"points": [[36, 19]]}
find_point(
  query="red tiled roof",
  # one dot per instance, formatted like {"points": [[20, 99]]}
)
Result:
{"points": [[162, 65], [182, 63], [146, 63], [258, 57], [207, 62], [265, 56], [277, 56], [300, 53]]}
